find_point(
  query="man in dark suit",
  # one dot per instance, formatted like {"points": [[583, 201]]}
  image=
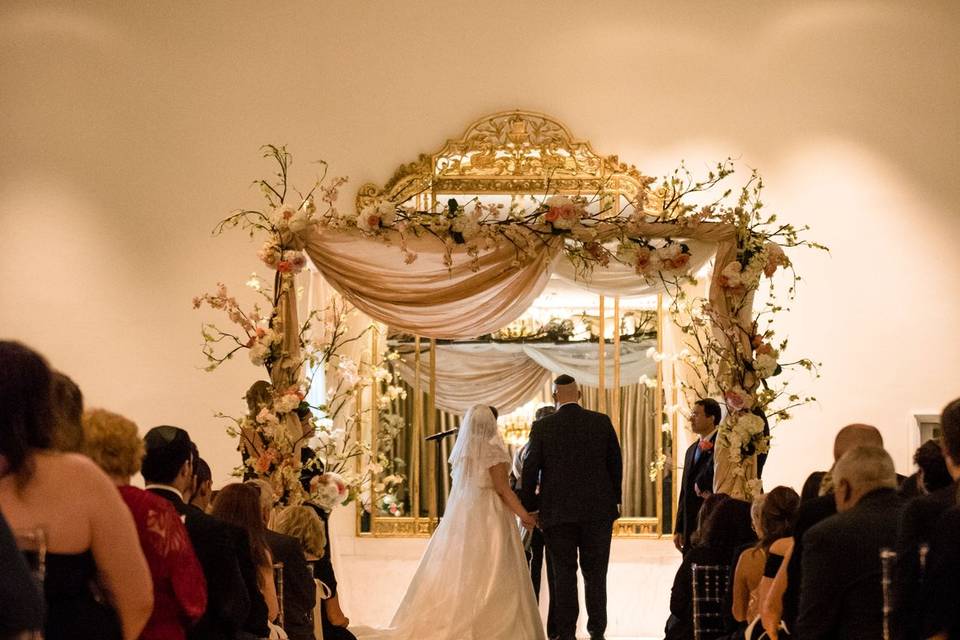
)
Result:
{"points": [[697, 481], [841, 595], [817, 509], [574, 459], [225, 556], [299, 590], [928, 556]]}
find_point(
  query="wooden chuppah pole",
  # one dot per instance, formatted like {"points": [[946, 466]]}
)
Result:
{"points": [[374, 416], [417, 430], [432, 461], [616, 364], [602, 362]]}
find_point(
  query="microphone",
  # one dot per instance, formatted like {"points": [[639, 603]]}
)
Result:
{"points": [[441, 435]]}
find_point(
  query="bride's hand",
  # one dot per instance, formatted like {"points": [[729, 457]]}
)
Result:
{"points": [[529, 521]]}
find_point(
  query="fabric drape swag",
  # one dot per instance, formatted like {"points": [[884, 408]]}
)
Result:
{"points": [[434, 297]]}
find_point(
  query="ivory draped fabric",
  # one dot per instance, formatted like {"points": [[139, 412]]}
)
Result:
{"points": [[508, 375], [431, 298]]}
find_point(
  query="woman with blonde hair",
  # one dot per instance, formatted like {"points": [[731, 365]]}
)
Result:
{"points": [[305, 525], [179, 587], [97, 582]]}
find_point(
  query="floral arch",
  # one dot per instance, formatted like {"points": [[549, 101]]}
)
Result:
{"points": [[426, 254]]}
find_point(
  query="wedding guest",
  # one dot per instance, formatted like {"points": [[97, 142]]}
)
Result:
{"points": [[179, 588], [299, 591], [773, 515], [90, 535], [223, 550], [726, 529], [68, 405], [932, 472], [841, 594], [203, 482], [818, 509], [303, 523], [332, 614], [22, 613], [926, 599], [239, 504], [697, 480]]}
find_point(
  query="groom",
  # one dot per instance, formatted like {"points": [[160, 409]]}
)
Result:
{"points": [[574, 457]]}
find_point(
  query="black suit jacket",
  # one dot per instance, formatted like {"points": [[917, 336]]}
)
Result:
{"points": [[942, 592], [697, 474], [918, 526], [574, 456], [216, 544], [841, 595], [299, 590]]}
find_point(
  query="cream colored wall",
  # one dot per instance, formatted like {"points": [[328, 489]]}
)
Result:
{"points": [[129, 129]]}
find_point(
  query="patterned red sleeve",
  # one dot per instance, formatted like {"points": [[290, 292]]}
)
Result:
{"points": [[186, 573], [173, 549]]}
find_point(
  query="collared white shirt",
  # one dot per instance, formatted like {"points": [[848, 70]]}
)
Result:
{"points": [[708, 436], [166, 487]]}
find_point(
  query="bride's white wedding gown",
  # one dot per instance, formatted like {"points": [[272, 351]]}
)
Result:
{"points": [[472, 582]]}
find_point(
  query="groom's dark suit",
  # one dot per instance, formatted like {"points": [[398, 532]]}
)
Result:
{"points": [[574, 457]]}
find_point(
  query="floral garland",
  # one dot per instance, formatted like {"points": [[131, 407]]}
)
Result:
{"points": [[280, 423], [737, 364]]}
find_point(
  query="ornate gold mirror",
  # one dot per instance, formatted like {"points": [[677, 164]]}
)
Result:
{"points": [[511, 157]]}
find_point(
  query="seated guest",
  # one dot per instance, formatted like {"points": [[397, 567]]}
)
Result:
{"points": [[179, 588], [841, 594], [723, 532], [303, 523], [68, 404], [333, 615], [22, 613], [97, 583], [818, 509], [773, 515], [927, 599], [221, 548], [932, 472], [203, 490], [299, 592], [239, 504]]}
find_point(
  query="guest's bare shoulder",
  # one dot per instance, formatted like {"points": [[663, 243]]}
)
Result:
{"points": [[782, 547], [70, 468]]}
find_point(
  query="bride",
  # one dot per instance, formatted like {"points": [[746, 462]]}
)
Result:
{"points": [[472, 581]]}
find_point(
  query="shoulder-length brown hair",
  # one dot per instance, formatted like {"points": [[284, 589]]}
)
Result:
{"points": [[239, 504]]}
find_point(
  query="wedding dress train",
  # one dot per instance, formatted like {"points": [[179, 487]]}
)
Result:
{"points": [[472, 582]]}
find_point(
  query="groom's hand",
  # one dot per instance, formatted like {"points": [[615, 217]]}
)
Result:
{"points": [[529, 522], [678, 541]]}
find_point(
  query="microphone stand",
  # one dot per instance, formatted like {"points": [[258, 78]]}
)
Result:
{"points": [[438, 439]]}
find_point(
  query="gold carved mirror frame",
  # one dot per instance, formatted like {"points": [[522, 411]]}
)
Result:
{"points": [[517, 154]]}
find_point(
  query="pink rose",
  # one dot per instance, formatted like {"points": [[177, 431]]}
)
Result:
{"points": [[552, 215], [765, 348], [738, 400]]}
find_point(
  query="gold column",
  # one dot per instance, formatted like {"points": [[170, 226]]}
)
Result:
{"points": [[432, 461], [616, 364], [417, 429], [374, 418], [602, 362]]}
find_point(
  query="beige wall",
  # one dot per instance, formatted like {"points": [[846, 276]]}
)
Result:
{"points": [[128, 131]]}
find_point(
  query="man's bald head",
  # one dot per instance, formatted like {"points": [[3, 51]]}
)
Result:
{"points": [[856, 435]]}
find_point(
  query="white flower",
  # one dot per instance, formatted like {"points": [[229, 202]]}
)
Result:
{"points": [[750, 424], [731, 275], [281, 216], [765, 365], [267, 417], [286, 403], [349, 371], [259, 353], [369, 219], [388, 213]]}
